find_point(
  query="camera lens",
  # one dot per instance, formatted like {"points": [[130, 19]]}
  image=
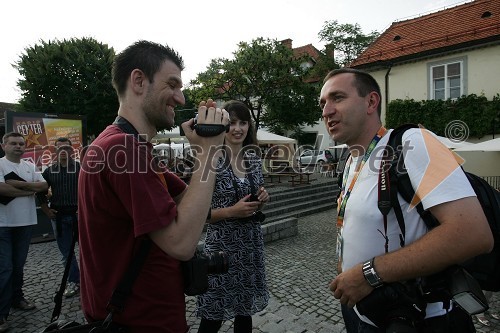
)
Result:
{"points": [[260, 216], [217, 263]]}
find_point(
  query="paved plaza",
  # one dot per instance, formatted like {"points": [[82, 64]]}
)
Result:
{"points": [[299, 270]]}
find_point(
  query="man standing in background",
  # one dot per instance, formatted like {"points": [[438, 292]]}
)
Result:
{"points": [[62, 178], [19, 181]]}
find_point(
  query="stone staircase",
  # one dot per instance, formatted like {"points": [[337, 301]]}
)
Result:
{"points": [[301, 200]]}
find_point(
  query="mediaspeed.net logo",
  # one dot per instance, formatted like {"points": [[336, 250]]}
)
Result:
{"points": [[441, 164]]}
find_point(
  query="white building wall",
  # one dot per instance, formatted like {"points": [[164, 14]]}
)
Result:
{"points": [[410, 81]]}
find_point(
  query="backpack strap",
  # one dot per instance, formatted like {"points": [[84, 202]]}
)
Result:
{"points": [[395, 178], [392, 170], [399, 182]]}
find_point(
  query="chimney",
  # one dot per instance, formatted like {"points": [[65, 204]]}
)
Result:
{"points": [[287, 42], [330, 51]]}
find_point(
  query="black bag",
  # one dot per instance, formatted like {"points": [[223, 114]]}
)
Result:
{"points": [[484, 268]]}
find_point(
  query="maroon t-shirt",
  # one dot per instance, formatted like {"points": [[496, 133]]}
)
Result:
{"points": [[121, 198]]}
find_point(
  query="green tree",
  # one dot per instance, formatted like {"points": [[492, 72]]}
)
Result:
{"points": [[347, 40], [69, 77], [268, 78]]}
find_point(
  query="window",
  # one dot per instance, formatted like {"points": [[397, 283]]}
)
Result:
{"points": [[447, 80]]}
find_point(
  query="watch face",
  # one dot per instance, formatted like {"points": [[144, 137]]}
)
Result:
{"points": [[371, 275]]}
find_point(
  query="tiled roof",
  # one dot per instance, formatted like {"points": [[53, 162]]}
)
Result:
{"points": [[308, 49], [313, 53], [469, 24]]}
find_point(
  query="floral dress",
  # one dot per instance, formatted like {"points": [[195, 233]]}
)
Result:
{"points": [[242, 291]]}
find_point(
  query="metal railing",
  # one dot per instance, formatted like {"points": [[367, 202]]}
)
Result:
{"points": [[494, 181]]}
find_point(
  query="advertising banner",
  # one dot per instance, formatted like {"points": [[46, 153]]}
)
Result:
{"points": [[40, 130]]}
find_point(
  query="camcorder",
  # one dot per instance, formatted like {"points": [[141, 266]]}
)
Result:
{"points": [[206, 129], [400, 307], [195, 271]]}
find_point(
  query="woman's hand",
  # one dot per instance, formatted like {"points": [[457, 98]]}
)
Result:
{"points": [[263, 195], [244, 208]]}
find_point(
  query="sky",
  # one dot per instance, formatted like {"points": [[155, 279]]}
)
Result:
{"points": [[200, 30]]}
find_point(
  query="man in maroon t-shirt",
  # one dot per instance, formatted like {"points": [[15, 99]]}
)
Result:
{"points": [[125, 196]]}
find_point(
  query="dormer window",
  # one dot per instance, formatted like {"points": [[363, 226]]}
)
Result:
{"points": [[486, 14], [396, 38]]}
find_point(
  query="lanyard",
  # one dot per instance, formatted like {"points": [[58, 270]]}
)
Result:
{"points": [[253, 188], [344, 196], [162, 179]]}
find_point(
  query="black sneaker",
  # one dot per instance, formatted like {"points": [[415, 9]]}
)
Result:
{"points": [[24, 304]]}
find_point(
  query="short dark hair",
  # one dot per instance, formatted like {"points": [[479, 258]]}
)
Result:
{"points": [[241, 111], [144, 55], [11, 135], [63, 139], [363, 81]]}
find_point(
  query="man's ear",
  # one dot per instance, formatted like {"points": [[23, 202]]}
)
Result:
{"points": [[373, 102], [137, 80]]}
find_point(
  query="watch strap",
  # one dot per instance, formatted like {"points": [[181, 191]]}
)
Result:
{"points": [[371, 275]]}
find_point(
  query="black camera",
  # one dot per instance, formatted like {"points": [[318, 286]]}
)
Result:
{"points": [[396, 307], [253, 197], [206, 129], [257, 216], [195, 271]]}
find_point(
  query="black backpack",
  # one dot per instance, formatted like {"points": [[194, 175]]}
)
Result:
{"points": [[484, 268]]}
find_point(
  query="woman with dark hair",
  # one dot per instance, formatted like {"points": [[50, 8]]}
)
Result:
{"points": [[234, 228]]}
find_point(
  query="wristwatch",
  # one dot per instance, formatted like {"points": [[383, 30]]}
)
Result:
{"points": [[371, 275]]}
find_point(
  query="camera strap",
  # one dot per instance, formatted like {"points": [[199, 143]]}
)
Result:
{"points": [[249, 176], [124, 288], [128, 128]]}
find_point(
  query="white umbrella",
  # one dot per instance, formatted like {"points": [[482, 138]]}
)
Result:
{"points": [[447, 142], [490, 145]]}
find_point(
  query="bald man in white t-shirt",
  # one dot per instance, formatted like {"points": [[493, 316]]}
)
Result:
{"points": [[351, 104]]}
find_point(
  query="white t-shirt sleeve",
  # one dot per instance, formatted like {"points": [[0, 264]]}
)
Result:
{"points": [[434, 172]]}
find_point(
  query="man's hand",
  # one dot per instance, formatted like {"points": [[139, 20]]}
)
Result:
{"points": [[208, 114], [51, 213], [350, 287]]}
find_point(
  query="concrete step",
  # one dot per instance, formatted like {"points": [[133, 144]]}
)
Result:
{"points": [[302, 192], [299, 207], [298, 198], [303, 211], [301, 201]]}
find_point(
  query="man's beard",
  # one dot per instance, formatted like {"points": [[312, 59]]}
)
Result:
{"points": [[155, 115]]}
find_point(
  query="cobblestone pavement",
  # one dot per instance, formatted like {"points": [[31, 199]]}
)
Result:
{"points": [[298, 268]]}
